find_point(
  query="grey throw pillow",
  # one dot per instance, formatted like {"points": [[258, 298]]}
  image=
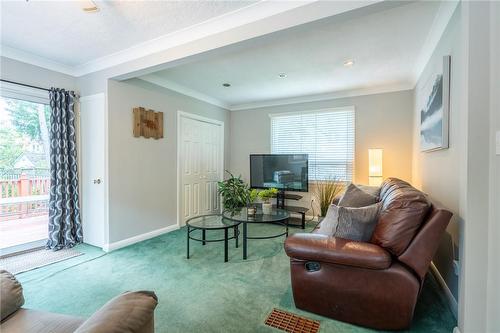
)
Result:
{"points": [[356, 197], [354, 223], [373, 190]]}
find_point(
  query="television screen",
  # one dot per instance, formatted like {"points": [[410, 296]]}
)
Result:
{"points": [[286, 172]]}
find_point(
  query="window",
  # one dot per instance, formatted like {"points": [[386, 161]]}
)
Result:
{"points": [[24, 167], [328, 137]]}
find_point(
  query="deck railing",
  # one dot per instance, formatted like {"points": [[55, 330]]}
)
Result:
{"points": [[23, 196]]}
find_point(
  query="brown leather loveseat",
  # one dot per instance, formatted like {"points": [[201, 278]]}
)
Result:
{"points": [[377, 283], [131, 312]]}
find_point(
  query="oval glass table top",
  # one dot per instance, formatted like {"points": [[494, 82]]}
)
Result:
{"points": [[277, 215], [213, 221]]}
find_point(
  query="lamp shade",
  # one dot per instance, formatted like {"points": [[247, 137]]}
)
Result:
{"points": [[375, 161]]}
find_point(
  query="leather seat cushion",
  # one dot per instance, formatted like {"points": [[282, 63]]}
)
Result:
{"points": [[403, 211], [334, 250], [33, 321]]}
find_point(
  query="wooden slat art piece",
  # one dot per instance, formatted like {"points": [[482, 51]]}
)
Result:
{"points": [[148, 123]]}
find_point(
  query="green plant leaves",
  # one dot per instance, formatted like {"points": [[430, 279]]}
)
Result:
{"points": [[235, 192]]}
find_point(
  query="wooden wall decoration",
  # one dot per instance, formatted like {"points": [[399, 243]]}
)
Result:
{"points": [[148, 123]]}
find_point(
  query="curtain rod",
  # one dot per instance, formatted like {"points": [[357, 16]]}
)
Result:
{"points": [[26, 85]]}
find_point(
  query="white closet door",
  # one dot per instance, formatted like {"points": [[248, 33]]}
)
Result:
{"points": [[211, 167], [200, 167]]}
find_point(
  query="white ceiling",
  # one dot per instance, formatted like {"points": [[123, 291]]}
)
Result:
{"points": [[388, 42], [62, 32]]}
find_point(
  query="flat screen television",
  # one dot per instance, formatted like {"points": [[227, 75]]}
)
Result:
{"points": [[286, 172]]}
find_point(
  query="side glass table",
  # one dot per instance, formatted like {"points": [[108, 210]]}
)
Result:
{"points": [[212, 222]]}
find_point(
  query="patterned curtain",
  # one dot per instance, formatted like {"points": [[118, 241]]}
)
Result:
{"points": [[65, 229]]}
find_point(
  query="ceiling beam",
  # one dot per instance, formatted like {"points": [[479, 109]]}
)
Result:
{"points": [[259, 19]]}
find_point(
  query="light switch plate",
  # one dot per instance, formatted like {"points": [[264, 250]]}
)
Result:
{"points": [[498, 143]]}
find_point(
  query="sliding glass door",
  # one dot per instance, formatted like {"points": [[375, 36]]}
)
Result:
{"points": [[24, 172]]}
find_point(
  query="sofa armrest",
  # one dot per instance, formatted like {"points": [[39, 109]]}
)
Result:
{"points": [[11, 294], [130, 312], [323, 248]]}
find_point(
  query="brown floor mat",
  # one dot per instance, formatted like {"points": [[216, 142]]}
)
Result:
{"points": [[291, 323]]}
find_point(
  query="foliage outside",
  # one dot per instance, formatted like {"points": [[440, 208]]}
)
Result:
{"points": [[23, 125], [325, 191]]}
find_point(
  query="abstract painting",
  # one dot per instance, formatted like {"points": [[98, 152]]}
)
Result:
{"points": [[434, 114]]}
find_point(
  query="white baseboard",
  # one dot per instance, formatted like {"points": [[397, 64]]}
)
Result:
{"points": [[139, 238], [456, 330], [451, 299]]}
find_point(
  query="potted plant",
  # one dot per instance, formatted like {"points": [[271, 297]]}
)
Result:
{"points": [[252, 195], [235, 193], [325, 191], [265, 196]]}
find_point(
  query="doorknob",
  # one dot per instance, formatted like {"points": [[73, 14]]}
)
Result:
{"points": [[97, 181]]}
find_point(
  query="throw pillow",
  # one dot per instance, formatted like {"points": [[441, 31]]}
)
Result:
{"points": [[356, 197], [354, 223], [373, 190]]}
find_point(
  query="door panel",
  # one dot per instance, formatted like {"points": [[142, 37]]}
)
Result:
{"points": [[200, 147], [92, 125]]}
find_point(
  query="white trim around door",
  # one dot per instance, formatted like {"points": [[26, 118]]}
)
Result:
{"points": [[180, 115]]}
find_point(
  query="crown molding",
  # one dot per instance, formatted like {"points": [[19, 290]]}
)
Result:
{"points": [[33, 59], [323, 97], [162, 82], [165, 83], [441, 20]]}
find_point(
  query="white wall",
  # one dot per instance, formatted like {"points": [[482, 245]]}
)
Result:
{"points": [[494, 229], [440, 173], [465, 177], [21, 72], [382, 121], [142, 172]]}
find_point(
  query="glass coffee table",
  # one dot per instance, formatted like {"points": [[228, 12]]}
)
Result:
{"points": [[212, 222], [278, 216]]}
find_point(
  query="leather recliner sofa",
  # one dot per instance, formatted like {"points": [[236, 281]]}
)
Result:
{"points": [[374, 284], [131, 312]]}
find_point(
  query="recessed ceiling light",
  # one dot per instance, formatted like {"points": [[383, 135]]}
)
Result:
{"points": [[282, 75], [89, 6], [226, 85], [348, 63]]}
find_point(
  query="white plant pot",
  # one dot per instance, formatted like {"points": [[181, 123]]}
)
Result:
{"points": [[267, 208]]}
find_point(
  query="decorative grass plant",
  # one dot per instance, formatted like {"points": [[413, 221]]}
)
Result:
{"points": [[325, 191]]}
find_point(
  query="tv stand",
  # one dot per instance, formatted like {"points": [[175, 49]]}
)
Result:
{"points": [[280, 203]]}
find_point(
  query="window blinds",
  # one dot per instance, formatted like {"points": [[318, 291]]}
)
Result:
{"points": [[328, 136]]}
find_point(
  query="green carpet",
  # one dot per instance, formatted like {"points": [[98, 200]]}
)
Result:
{"points": [[199, 294]]}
